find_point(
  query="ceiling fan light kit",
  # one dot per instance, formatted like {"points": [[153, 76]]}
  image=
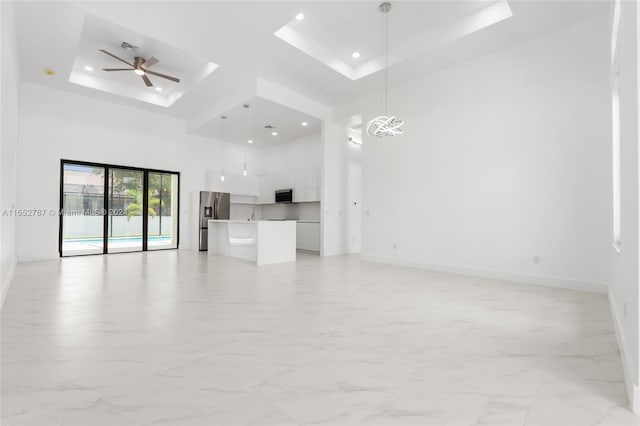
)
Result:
{"points": [[384, 125], [140, 66]]}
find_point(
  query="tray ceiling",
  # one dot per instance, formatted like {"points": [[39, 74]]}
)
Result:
{"points": [[243, 124], [88, 64], [354, 50]]}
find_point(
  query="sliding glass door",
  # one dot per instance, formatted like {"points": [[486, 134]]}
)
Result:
{"points": [[126, 189], [116, 209], [82, 207], [162, 211]]}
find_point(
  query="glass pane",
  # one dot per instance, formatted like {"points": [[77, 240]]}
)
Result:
{"points": [[83, 208], [125, 210], [163, 211]]}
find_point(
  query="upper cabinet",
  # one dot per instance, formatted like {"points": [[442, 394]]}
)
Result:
{"points": [[304, 182], [306, 185], [236, 184], [267, 190], [285, 180], [247, 185]]}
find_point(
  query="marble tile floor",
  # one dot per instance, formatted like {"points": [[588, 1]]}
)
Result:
{"points": [[181, 338]]}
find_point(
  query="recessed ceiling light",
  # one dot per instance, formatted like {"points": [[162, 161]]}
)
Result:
{"points": [[250, 141], [139, 72], [300, 16], [88, 68], [274, 133], [158, 89], [355, 55], [304, 123]]}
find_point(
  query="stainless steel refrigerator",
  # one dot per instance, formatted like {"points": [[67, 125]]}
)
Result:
{"points": [[213, 205]]}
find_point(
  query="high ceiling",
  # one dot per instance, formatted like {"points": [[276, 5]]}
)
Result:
{"points": [[238, 36], [244, 124]]}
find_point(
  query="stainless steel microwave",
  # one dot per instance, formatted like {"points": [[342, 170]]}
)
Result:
{"points": [[284, 196]]}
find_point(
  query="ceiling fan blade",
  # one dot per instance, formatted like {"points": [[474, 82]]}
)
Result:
{"points": [[152, 60], [117, 69], [168, 77], [146, 80], [114, 56]]}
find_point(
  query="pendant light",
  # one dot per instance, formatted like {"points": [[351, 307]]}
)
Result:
{"points": [[223, 117], [246, 126], [384, 125]]}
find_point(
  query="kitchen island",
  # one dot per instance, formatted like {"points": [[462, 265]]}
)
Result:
{"points": [[262, 241]]}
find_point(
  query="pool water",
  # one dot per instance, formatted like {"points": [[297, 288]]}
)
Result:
{"points": [[117, 239], [78, 246]]}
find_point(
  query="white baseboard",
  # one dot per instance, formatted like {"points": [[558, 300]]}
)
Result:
{"points": [[38, 257], [341, 251], [6, 283], [633, 392], [495, 274]]}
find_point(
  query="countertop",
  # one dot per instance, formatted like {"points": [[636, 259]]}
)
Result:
{"points": [[246, 221], [263, 220]]}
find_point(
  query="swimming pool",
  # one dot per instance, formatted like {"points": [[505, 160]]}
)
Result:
{"points": [[117, 239], [77, 246]]}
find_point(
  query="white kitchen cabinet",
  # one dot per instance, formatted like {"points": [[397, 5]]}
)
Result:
{"points": [[298, 186], [307, 185], [308, 236], [243, 199], [267, 190], [312, 184], [248, 185], [239, 184], [304, 182], [284, 180], [231, 183]]}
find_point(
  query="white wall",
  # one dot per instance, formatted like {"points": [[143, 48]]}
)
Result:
{"points": [[501, 163], [623, 290], [342, 189], [58, 125], [9, 93]]}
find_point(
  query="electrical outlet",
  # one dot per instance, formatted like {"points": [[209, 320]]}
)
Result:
{"points": [[395, 246], [367, 213], [536, 259]]}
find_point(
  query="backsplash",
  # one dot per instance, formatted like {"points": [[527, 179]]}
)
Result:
{"points": [[301, 211]]}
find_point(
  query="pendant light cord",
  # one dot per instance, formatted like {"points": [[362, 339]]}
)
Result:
{"points": [[385, 59], [224, 117], [382, 101], [246, 129]]}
